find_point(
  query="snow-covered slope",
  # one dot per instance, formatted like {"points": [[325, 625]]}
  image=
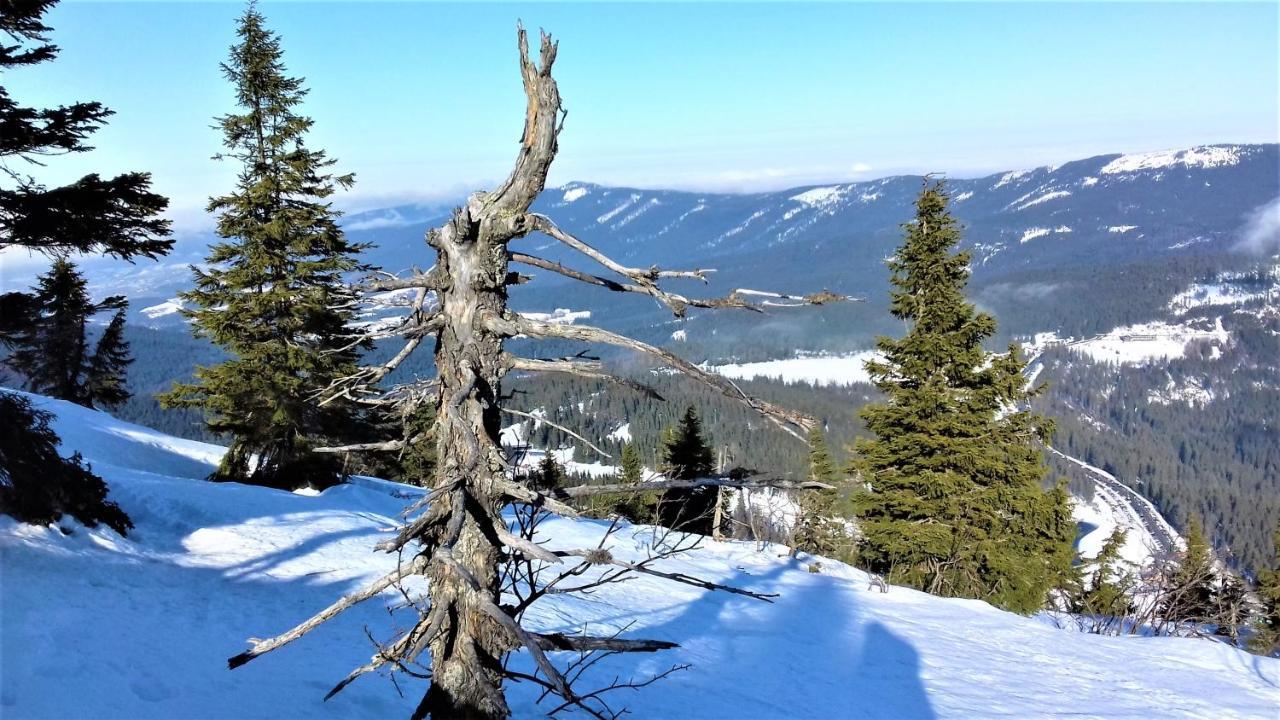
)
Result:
{"points": [[98, 626]]}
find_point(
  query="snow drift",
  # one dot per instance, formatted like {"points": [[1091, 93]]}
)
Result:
{"points": [[99, 626]]}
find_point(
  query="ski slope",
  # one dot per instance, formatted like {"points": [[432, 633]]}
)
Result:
{"points": [[95, 626]]}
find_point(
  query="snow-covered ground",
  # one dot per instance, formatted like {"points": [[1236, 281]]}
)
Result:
{"points": [[826, 370], [1138, 344], [103, 627]]}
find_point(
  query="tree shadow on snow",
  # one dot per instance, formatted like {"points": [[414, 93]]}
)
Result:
{"points": [[811, 653]]}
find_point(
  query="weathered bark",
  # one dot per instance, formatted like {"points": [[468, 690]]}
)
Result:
{"points": [[471, 251]]}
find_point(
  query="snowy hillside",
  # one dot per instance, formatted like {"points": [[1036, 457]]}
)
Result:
{"points": [[98, 626]]}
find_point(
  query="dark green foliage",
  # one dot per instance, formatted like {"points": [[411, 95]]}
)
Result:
{"points": [[632, 466], [687, 455], [1266, 628], [37, 485], [1107, 593], [819, 529], [105, 379], [116, 216], [954, 503], [548, 476], [1190, 595], [414, 464], [272, 288], [52, 351]]}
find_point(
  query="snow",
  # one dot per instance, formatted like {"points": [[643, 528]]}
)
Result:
{"points": [[680, 335], [1009, 177], [1202, 157], [618, 210], [99, 626], [963, 196], [1146, 342], [576, 193], [621, 434], [826, 370], [1191, 392], [1121, 228], [1089, 182], [1045, 198], [560, 316], [819, 196], [168, 307], [1033, 233], [1223, 292]]}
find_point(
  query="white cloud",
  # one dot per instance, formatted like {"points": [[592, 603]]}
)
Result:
{"points": [[1261, 232]]}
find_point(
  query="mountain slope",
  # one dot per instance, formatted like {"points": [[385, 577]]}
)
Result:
{"points": [[140, 628]]}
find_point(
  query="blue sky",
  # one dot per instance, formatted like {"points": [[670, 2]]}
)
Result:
{"points": [[422, 100]]}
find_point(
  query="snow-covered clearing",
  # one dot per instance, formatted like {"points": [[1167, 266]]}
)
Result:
{"points": [[103, 627], [830, 370], [1146, 342], [168, 307]]}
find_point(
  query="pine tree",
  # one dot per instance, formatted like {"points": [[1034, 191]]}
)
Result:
{"points": [[548, 476], [272, 288], [687, 455], [105, 380], [954, 503], [1266, 627], [1107, 594]]}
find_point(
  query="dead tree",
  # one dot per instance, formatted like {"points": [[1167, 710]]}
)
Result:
{"points": [[458, 539]]}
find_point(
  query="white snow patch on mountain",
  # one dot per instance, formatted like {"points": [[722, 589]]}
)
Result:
{"points": [[653, 203], [576, 193], [1226, 291], [618, 210], [1009, 177], [1089, 182], [1045, 198], [1033, 233], [622, 433], [1147, 342], [963, 196], [1191, 392], [820, 196], [680, 335], [141, 627], [168, 307], [827, 370], [1121, 228], [1210, 156], [560, 316]]}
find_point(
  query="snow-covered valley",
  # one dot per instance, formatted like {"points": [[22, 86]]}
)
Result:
{"points": [[142, 626]]}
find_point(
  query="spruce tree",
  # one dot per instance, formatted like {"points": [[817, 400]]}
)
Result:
{"points": [[954, 503], [272, 294], [687, 455], [37, 484], [816, 529], [105, 379], [1107, 595], [1190, 595], [632, 467], [1266, 627], [118, 216], [52, 352]]}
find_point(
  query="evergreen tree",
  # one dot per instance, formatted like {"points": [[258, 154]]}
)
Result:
{"points": [[954, 503], [687, 455], [817, 529], [1107, 594], [51, 352], [1190, 595], [548, 476], [38, 485], [51, 349], [632, 467], [273, 288], [105, 381], [1266, 627], [118, 216]]}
